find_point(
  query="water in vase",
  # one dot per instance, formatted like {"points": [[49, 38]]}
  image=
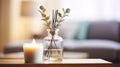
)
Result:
{"points": [[53, 55]]}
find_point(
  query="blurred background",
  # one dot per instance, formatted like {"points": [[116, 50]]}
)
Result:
{"points": [[20, 19]]}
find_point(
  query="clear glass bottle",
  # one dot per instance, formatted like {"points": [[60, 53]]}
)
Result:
{"points": [[53, 47]]}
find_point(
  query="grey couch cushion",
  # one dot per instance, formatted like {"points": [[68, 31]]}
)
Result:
{"points": [[105, 49], [17, 46], [104, 30]]}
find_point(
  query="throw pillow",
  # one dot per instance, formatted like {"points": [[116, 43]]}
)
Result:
{"points": [[82, 30]]}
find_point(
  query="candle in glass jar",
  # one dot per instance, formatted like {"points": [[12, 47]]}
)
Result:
{"points": [[33, 52]]}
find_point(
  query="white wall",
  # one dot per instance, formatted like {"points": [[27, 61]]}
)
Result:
{"points": [[93, 9]]}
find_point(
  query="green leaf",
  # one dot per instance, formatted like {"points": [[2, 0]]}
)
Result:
{"points": [[43, 15], [41, 7], [63, 9], [59, 14], [43, 19], [49, 22], [67, 10], [61, 20], [44, 10], [47, 18]]}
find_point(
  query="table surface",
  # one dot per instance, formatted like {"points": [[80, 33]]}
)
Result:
{"points": [[65, 63], [19, 62]]}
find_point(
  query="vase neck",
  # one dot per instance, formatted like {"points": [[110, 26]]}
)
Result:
{"points": [[55, 32]]}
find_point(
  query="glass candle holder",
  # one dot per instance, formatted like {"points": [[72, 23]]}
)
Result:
{"points": [[33, 52]]}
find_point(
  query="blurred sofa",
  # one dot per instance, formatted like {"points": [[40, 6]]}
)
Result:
{"points": [[102, 41]]}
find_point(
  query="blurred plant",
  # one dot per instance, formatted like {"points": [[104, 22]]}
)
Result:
{"points": [[57, 17]]}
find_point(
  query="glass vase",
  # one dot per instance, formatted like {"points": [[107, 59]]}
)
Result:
{"points": [[53, 47]]}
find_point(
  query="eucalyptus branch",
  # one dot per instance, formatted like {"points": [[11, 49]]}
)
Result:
{"points": [[55, 22], [65, 13], [45, 18]]}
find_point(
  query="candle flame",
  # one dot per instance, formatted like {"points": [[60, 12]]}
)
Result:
{"points": [[33, 41]]}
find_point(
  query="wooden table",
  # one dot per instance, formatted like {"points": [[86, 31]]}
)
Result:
{"points": [[19, 62]]}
